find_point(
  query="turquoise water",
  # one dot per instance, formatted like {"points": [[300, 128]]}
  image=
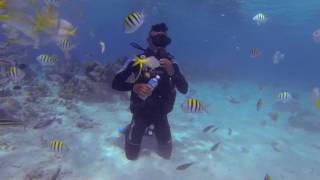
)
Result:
{"points": [[211, 40]]}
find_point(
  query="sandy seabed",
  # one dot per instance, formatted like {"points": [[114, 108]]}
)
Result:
{"points": [[286, 149]]}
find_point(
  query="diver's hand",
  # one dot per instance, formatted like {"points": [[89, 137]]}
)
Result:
{"points": [[142, 89], [167, 64]]}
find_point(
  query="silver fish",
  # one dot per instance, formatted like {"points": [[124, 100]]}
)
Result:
{"points": [[184, 166], [208, 128], [215, 147], [215, 129]]}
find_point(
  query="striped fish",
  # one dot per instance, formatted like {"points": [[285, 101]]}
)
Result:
{"points": [[260, 19], [15, 74], [133, 22], [65, 45], [47, 60], [284, 97], [56, 146], [267, 177], [255, 52], [193, 106]]}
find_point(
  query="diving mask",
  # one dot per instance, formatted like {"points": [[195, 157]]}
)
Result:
{"points": [[160, 40]]}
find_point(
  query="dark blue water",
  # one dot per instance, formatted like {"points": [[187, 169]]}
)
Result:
{"points": [[205, 34]]}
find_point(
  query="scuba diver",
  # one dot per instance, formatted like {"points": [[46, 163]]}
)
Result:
{"points": [[153, 110]]}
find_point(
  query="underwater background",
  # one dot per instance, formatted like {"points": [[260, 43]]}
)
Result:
{"points": [[229, 60]]}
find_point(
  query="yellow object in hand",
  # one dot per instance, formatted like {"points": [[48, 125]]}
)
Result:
{"points": [[139, 62]]}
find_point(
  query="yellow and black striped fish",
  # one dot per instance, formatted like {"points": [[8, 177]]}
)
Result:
{"points": [[15, 74], [254, 52], [193, 105], [56, 146], [47, 60], [133, 22], [284, 96], [65, 44], [267, 177]]}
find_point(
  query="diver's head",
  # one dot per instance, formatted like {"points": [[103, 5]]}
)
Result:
{"points": [[158, 36]]}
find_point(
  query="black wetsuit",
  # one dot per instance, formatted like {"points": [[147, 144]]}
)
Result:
{"points": [[154, 109]]}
